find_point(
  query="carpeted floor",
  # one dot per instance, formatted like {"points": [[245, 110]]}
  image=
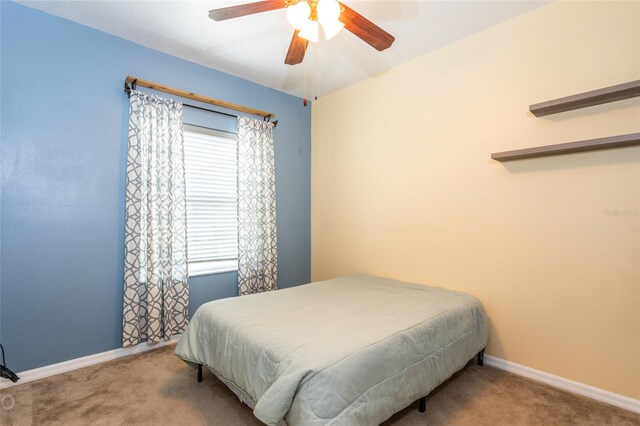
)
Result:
{"points": [[155, 388]]}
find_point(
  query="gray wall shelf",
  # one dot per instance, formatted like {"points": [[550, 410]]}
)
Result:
{"points": [[620, 141], [586, 99]]}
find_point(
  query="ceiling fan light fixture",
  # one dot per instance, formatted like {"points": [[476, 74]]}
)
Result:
{"points": [[298, 15], [310, 31]]}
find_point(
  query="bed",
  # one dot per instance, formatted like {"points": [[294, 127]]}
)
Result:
{"points": [[348, 351]]}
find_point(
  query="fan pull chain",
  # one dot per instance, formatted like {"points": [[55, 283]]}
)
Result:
{"points": [[305, 100], [315, 74], [304, 84]]}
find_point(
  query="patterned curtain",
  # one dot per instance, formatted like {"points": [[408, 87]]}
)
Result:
{"points": [[257, 242], [156, 289]]}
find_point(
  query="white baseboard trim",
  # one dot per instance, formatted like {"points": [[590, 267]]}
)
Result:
{"points": [[86, 361], [565, 384], [540, 376]]}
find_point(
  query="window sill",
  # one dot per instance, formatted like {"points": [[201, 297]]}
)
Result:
{"points": [[197, 269]]}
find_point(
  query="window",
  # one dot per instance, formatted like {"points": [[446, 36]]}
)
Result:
{"points": [[212, 202]]}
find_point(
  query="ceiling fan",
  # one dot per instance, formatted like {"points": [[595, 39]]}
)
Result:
{"points": [[312, 20]]}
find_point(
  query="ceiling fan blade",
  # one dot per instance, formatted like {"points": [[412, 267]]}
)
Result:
{"points": [[297, 49], [245, 9], [367, 31]]}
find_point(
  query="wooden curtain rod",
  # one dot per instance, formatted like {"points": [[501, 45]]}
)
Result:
{"points": [[196, 97]]}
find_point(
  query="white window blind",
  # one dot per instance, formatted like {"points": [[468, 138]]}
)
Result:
{"points": [[212, 201]]}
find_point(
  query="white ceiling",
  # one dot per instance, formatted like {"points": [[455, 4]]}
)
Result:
{"points": [[254, 47]]}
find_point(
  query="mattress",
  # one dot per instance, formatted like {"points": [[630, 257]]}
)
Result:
{"points": [[348, 351]]}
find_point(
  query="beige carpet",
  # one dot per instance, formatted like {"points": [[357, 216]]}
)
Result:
{"points": [[155, 388]]}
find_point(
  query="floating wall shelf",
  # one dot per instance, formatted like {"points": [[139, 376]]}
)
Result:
{"points": [[586, 99], [620, 141]]}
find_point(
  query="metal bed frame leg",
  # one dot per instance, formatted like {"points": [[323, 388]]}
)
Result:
{"points": [[423, 404], [199, 373]]}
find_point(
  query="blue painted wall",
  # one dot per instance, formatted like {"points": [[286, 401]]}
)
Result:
{"points": [[63, 133]]}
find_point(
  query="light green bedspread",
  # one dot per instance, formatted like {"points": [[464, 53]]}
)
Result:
{"points": [[348, 351]]}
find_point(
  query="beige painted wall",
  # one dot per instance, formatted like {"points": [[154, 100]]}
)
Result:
{"points": [[403, 187]]}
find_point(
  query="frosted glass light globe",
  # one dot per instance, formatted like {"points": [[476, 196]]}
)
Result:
{"points": [[298, 15], [328, 16], [309, 31], [328, 11], [331, 29]]}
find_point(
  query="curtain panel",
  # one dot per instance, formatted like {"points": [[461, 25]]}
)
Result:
{"points": [[156, 289], [257, 239]]}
